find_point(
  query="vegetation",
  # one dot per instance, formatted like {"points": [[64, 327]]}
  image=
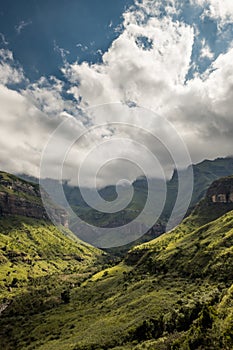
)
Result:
{"points": [[31, 249], [11, 184], [175, 292]]}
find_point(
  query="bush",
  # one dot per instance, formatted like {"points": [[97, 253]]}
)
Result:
{"points": [[65, 296]]}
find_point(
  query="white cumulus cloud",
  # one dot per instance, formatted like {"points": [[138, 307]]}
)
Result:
{"points": [[147, 65], [222, 9]]}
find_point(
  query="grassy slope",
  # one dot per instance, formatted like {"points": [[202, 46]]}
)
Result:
{"points": [[30, 249], [193, 251], [34, 250], [12, 179], [172, 293]]}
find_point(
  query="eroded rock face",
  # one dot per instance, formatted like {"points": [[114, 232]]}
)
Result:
{"points": [[221, 191], [18, 197], [13, 204]]}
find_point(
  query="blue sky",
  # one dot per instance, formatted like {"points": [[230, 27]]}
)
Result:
{"points": [[35, 30], [42, 33], [60, 58]]}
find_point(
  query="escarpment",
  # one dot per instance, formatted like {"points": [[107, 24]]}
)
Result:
{"points": [[19, 197], [221, 191]]}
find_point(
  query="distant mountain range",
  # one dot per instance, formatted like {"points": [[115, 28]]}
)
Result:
{"points": [[204, 173]]}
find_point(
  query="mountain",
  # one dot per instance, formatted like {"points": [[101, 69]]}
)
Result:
{"points": [[31, 247], [204, 174], [209, 221], [19, 197], [175, 292]]}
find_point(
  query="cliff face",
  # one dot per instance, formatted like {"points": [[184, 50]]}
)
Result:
{"points": [[11, 204], [18, 197], [221, 191], [217, 202]]}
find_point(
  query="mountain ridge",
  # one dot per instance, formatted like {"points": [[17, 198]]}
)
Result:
{"points": [[205, 173], [19, 197]]}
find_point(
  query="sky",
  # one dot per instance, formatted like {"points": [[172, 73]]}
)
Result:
{"points": [[65, 65]]}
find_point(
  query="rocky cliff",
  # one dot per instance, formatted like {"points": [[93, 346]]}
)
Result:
{"points": [[217, 202], [221, 191], [19, 197]]}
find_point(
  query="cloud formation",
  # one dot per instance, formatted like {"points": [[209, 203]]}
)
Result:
{"points": [[9, 73], [19, 27], [147, 65], [218, 9]]}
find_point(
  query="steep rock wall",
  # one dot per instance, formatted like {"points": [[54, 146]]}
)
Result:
{"points": [[18, 197]]}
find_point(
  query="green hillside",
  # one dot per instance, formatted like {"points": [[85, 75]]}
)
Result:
{"points": [[175, 292], [11, 184], [30, 249]]}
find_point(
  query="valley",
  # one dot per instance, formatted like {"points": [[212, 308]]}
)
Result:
{"points": [[173, 292]]}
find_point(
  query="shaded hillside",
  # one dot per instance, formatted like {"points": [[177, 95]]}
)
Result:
{"points": [[175, 292], [218, 201], [204, 174]]}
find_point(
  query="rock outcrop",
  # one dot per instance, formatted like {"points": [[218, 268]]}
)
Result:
{"points": [[221, 191], [19, 197]]}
